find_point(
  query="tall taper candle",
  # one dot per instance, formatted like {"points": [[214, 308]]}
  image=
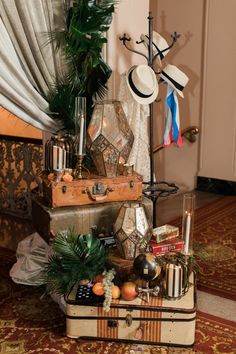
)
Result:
{"points": [[187, 233], [80, 126], [81, 135]]}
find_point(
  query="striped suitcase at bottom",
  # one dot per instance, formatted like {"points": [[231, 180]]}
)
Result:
{"points": [[161, 321]]}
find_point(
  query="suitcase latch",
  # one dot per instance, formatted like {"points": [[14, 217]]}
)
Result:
{"points": [[128, 320], [98, 188], [63, 188], [112, 323]]}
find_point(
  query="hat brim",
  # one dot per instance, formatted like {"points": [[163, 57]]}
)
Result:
{"points": [[172, 85], [145, 40], [141, 100]]}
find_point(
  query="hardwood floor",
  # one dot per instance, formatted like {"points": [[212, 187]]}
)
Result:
{"points": [[169, 208]]}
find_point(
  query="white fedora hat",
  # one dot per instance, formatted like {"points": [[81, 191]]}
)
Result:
{"points": [[159, 45], [175, 77], [142, 83]]}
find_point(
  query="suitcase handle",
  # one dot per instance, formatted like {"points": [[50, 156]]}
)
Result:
{"points": [[98, 198]]}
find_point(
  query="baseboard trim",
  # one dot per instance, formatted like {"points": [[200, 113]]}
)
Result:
{"points": [[214, 185]]}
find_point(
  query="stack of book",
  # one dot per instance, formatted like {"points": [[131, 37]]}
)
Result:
{"points": [[166, 239]]}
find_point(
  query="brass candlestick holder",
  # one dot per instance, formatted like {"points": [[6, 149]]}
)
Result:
{"points": [[77, 173], [78, 168], [79, 140]]}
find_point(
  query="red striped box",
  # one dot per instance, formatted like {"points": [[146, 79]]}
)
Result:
{"points": [[174, 245]]}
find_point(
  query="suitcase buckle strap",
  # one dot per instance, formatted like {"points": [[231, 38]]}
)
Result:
{"points": [[140, 330], [128, 319]]}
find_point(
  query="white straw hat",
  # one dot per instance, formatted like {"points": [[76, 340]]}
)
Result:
{"points": [[159, 45], [142, 83], [175, 77]]}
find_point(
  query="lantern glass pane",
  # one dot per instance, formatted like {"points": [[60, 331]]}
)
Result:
{"points": [[129, 249], [95, 126], [110, 127], [129, 223], [142, 223], [136, 237], [119, 220]]}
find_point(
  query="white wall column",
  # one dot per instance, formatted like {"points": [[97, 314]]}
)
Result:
{"points": [[130, 18]]}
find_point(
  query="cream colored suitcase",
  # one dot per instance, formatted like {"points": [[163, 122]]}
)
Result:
{"points": [[161, 321]]}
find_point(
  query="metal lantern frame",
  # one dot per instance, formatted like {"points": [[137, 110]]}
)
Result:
{"points": [[109, 138], [133, 230]]}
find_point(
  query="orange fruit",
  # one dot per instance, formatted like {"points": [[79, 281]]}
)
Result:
{"points": [[115, 292], [98, 289]]}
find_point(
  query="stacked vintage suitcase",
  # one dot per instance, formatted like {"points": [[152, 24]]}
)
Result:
{"points": [[86, 205], [93, 204], [160, 321]]}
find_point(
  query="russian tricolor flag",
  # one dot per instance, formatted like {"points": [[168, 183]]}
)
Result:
{"points": [[172, 122]]}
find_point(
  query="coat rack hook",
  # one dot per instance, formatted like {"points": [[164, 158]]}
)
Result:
{"points": [[124, 39]]}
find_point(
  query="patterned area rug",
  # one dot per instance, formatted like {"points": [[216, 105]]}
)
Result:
{"points": [[215, 233], [30, 324]]}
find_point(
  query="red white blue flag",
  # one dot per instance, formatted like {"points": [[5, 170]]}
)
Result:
{"points": [[172, 122]]}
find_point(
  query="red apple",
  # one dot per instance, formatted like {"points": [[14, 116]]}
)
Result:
{"points": [[98, 278], [128, 291]]}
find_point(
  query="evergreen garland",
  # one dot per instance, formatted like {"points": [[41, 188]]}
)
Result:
{"points": [[81, 42]]}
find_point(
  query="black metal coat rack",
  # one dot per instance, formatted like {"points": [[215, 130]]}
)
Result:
{"points": [[155, 189]]}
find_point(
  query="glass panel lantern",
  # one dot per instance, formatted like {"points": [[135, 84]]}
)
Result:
{"points": [[109, 138], [133, 230]]}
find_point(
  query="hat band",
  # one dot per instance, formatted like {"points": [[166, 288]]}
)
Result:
{"points": [[138, 93], [177, 85], [158, 50]]}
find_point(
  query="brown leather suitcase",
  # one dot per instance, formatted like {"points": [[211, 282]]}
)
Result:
{"points": [[48, 221], [94, 190], [159, 321]]}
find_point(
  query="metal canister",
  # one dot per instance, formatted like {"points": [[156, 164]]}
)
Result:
{"points": [[174, 280], [59, 153]]}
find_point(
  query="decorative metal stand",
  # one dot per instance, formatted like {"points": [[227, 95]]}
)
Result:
{"points": [[147, 291], [153, 191]]}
